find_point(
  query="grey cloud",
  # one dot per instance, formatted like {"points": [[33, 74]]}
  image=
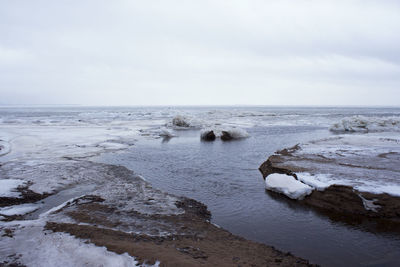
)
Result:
{"points": [[200, 52]]}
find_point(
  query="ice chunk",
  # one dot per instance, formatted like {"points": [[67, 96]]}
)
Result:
{"points": [[236, 133], [166, 133], [18, 209], [367, 124], [181, 121], [8, 187], [287, 185]]}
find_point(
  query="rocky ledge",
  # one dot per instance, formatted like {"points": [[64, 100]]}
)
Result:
{"points": [[338, 199]]}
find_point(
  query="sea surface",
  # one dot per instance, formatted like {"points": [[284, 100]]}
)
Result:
{"points": [[222, 175]]}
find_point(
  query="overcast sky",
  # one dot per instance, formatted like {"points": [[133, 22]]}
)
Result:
{"points": [[126, 52]]}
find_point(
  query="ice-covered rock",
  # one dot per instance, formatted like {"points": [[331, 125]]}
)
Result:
{"points": [[364, 124], [207, 135], [234, 133], [287, 185], [181, 121], [225, 133]]}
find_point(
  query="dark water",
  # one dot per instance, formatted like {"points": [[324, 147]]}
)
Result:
{"points": [[224, 176]]}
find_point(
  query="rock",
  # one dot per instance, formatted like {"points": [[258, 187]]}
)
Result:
{"points": [[208, 136], [338, 199], [226, 136]]}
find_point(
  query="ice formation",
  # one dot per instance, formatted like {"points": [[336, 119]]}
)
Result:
{"points": [[367, 124], [319, 182], [181, 121], [287, 185]]}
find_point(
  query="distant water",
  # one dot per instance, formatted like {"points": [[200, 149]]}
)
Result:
{"points": [[224, 176]]}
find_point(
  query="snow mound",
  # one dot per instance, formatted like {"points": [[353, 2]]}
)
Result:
{"points": [[364, 124], [287, 185], [8, 187]]}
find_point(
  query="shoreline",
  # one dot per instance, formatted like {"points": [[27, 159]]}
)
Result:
{"points": [[185, 237]]}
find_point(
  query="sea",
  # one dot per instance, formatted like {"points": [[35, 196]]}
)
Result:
{"points": [[223, 175]]}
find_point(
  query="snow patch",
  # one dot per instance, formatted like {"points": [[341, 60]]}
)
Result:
{"points": [[318, 181], [287, 185], [376, 188], [369, 204], [19, 209], [8, 187], [61, 249]]}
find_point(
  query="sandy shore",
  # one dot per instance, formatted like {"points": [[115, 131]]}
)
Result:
{"points": [[197, 242], [182, 238]]}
